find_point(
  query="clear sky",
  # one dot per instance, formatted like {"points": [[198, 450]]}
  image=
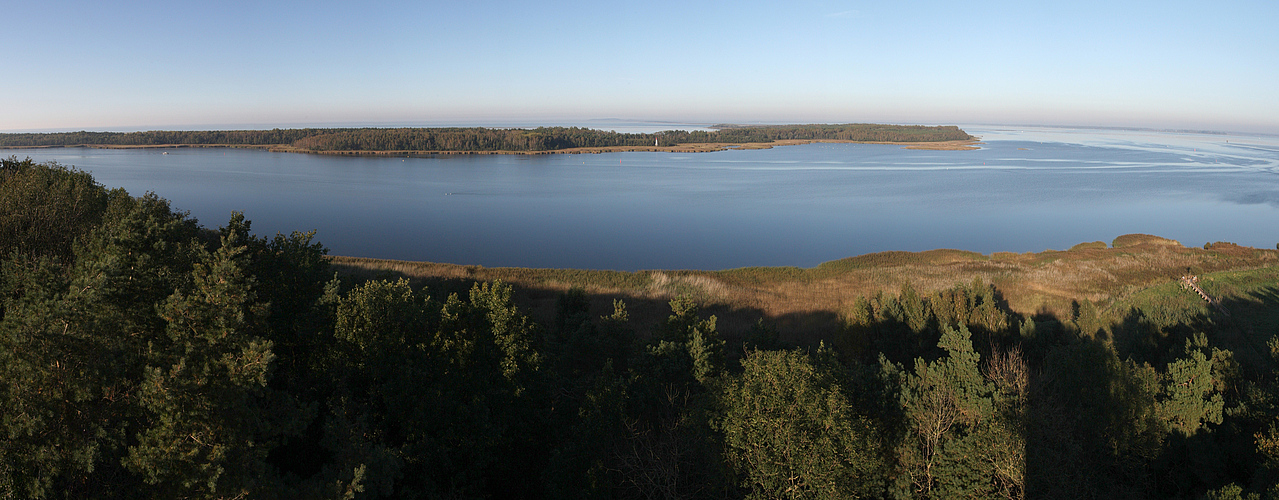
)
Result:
{"points": [[180, 64]]}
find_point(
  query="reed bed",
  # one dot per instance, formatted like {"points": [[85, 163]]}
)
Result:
{"points": [[1135, 268]]}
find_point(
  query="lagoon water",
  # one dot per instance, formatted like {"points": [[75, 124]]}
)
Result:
{"points": [[1027, 189]]}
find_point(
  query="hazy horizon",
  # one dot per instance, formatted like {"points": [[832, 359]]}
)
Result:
{"points": [[151, 65], [614, 124]]}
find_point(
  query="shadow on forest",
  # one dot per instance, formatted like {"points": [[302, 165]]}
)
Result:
{"points": [[1091, 415], [1153, 337], [1093, 430], [646, 312], [1242, 325]]}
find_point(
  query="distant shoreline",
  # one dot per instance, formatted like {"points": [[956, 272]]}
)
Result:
{"points": [[479, 140], [708, 147], [960, 145]]}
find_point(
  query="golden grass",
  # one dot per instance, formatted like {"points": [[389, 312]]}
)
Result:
{"points": [[812, 300], [1129, 240], [945, 145], [1090, 245]]}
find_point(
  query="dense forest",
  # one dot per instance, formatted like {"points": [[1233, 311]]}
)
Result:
{"points": [[485, 139], [163, 138], [143, 355]]}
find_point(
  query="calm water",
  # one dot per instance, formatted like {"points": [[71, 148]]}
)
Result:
{"points": [[1026, 190]]}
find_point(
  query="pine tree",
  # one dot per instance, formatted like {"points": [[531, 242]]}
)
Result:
{"points": [[210, 418], [957, 442], [790, 431]]}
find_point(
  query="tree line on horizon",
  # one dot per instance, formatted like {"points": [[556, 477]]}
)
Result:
{"points": [[143, 355], [484, 139], [162, 137]]}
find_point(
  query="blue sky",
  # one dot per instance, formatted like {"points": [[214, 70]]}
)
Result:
{"points": [[176, 64]]}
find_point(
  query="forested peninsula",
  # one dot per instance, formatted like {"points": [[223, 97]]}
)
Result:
{"points": [[503, 140], [143, 355]]}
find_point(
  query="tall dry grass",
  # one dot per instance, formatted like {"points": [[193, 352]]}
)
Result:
{"points": [[816, 298]]}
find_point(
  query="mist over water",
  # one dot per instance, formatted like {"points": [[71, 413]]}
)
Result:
{"points": [[1027, 189]]}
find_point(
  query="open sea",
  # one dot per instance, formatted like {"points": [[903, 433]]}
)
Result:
{"points": [[1026, 189]]}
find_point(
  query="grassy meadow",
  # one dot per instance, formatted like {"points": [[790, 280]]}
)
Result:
{"points": [[804, 303]]}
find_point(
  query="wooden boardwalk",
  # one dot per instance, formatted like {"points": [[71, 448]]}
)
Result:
{"points": [[1192, 283]]}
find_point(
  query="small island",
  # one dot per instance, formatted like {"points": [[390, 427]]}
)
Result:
{"points": [[481, 140]]}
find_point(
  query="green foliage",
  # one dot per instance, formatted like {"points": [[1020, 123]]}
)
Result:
{"points": [[484, 139], [511, 331], [79, 321], [763, 336], [1230, 492], [48, 388], [45, 208], [555, 138], [908, 326], [790, 431], [668, 448], [440, 387], [162, 137], [914, 312], [211, 420], [1099, 424], [1189, 400], [590, 360], [685, 330], [957, 442]]}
